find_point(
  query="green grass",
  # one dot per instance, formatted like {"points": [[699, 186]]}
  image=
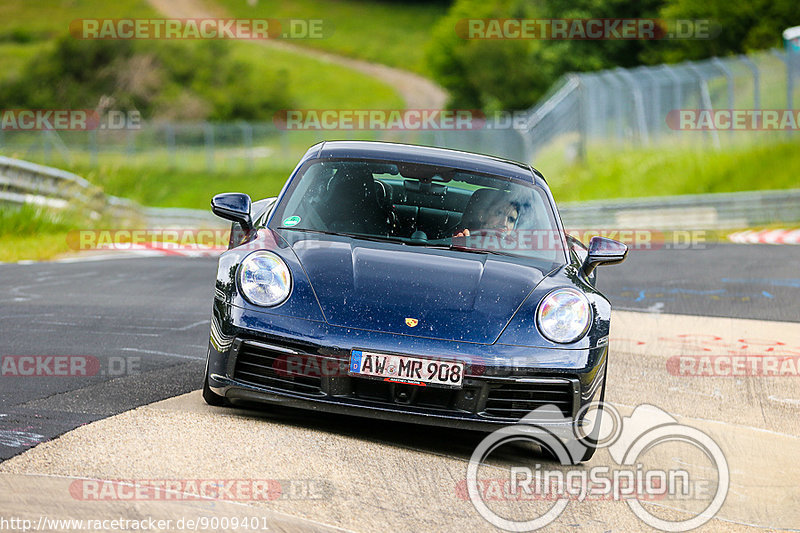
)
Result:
{"points": [[26, 27], [44, 19], [383, 31], [14, 56], [156, 178], [38, 247], [625, 173], [30, 220], [150, 180], [159, 186], [318, 85], [28, 232]]}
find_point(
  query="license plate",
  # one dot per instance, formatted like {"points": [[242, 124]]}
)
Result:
{"points": [[406, 369]]}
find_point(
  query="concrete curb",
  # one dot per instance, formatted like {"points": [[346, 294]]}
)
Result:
{"points": [[767, 236]]}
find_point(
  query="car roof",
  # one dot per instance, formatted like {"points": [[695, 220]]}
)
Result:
{"points": [[424, 154]]}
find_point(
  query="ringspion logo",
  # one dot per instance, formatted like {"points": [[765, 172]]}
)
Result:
{"points": [[628, 440]]}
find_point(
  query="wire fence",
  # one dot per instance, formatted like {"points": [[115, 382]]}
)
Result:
{"points": [[229, 146], [644, 106], [746, 98]]}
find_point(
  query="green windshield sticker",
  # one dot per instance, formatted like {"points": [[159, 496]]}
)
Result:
{"points": [[292, 221]]}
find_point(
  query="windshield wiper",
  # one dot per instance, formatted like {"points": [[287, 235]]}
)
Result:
{"points": [[397, 240], [467, 249], [364, 236]]}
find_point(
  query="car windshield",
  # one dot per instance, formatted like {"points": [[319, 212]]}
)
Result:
{"points": [[421, 205]]}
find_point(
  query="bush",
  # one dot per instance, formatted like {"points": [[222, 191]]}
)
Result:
{"points": [[196, 80], [514, 74], [482, 74], [743, 27]]}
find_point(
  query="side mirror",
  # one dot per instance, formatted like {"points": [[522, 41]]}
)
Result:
{"points": [[603, 251], [233, 206]]}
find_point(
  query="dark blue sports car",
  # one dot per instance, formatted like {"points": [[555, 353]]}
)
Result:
{"points": [[408, 283]]}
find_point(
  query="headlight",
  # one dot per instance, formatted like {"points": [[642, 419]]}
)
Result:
{"points": [[564, 315], [264, 279]]}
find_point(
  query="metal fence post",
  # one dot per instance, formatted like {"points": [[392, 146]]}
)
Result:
{"points": [[247, 138], [787, 60], [93, 149], [617, 102], [677, 89], [638, 104], [729, 81], [46, 146], [130, 143], [285, 144], [728, 77], [677, 86], [756, 80], [208, 133], [705, 97], [582, 109], [169, 132], [789, 84], [654, 96]]}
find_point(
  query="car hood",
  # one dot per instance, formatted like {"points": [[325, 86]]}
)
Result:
{"points": [[385, 287]]}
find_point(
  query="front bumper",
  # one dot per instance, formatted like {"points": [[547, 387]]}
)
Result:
{"points": [[309, 371]]}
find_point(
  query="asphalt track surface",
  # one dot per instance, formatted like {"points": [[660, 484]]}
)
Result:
{"points": [[151, 314], [724, 280], [145, 320]]}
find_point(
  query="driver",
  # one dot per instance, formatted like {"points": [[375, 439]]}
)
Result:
{"points": [[501, 216]]}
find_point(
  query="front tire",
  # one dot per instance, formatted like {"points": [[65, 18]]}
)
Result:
{"points": [[590, 443], [211, 397], [591, 446]]}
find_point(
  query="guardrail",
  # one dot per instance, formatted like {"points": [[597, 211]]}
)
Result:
{"points": [[22, 182], [692, 211], [176, 217]]}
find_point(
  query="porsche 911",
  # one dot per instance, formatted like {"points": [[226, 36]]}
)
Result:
{"points": [[409, 283]]}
